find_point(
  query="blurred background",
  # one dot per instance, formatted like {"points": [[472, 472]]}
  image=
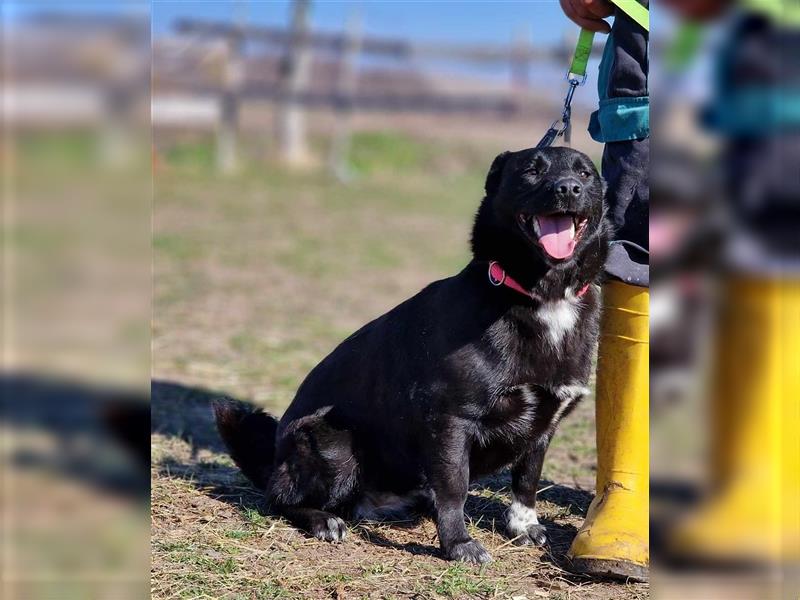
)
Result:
{"points": [[320, 85]]}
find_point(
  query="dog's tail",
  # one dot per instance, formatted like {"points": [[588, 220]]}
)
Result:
{"points": [[249, 434]]}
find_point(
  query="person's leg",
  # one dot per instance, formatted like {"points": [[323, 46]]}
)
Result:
{"points": [[614, 539], [751, 514]]}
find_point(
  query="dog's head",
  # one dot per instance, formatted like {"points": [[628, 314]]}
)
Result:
{"points": [[543, 206]]}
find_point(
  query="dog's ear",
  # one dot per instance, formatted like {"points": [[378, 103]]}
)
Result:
{"points": [[495, 174]]}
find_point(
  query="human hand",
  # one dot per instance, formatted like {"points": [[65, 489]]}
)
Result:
{"points": [[589, 14], [698, 10]]}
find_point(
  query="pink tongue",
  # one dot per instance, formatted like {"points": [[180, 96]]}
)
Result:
{"points": [[557, 235]]}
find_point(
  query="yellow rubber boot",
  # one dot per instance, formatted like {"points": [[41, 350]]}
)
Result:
{"points": [[614, 539], [753, 516]]}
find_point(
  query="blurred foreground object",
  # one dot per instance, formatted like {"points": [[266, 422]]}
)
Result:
{"points": [[75, 484], [76, 301], [753, 514], [745, 519]]}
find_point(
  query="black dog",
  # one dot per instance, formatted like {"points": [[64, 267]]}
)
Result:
{"points": [[467, 377]]}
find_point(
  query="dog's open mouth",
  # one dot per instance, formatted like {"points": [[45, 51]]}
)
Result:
{"points": [[556, 233]]}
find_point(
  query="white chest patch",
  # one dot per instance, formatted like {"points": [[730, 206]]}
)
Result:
{"points": [[519, 517], [558, 318]]}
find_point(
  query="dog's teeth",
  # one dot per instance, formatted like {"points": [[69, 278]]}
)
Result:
{"points": [[572, 230]]}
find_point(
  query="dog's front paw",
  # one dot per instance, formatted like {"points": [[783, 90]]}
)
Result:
{"points": [[329, 529], [522, 525], [535, 535], [470, 551]]}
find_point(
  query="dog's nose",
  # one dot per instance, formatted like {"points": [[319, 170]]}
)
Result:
{"points": [[568, 188]]}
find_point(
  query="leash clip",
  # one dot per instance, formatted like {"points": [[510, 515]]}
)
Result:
{"points": [[575, 77], [561, 125]]}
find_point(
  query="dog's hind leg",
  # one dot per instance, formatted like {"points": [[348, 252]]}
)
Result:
{"points": [[315, 476], [319, 523]]}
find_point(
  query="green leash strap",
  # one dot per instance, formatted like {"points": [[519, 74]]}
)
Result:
{"points": [[577, 69], [583, 50]]}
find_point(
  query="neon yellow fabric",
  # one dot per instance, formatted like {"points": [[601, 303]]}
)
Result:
{"points": [[781, 12], [583, 50], [635, 11]]}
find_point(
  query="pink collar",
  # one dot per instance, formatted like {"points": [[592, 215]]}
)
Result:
{"points": [[498, 277]]}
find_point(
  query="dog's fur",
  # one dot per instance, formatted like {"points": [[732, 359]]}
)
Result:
{"points": [[457, 382]]}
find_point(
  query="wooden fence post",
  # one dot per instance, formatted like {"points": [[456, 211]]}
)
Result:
{"points": [[121, 68], [295, 71], [520, 64], [227, 129], [345, 93]]}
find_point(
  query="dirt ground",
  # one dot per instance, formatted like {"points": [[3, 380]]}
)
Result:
{"points": [[258, 277]]}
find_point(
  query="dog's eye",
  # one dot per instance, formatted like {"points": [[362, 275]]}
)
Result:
{"points": [[585, 174]]}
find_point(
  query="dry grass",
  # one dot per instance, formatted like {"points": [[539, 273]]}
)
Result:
{"points": [[212, 538], [257, 278]]}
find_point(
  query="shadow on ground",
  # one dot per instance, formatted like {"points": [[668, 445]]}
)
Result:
{"points": [[93, 435], [186, 413]]}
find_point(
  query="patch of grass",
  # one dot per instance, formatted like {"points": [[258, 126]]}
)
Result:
{"points": [[218, 566], [271, 591], [63, 149], [193, 155], [459, 581], [380, 254], [335, 578], [377, 569], [173, 546], [252, 516], [375, 151], [307, 255], [177, 247], [239, 534], [335, 584]]}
